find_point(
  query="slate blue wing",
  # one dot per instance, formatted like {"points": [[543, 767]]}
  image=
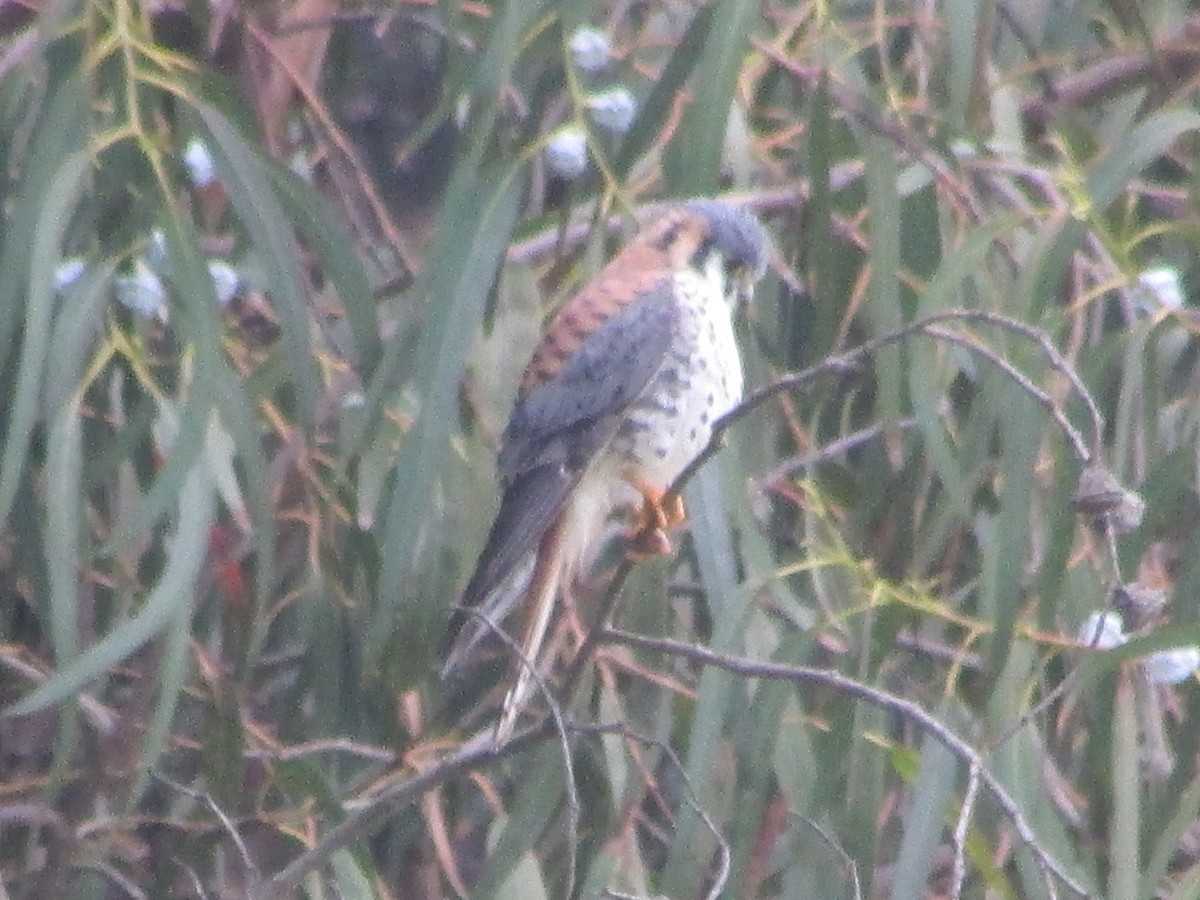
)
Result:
{"points": [[555, 431]]}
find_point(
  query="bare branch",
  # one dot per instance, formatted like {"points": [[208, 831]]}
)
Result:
{"points": [[481, 750], [234, 835], [907, 709], [853, 360], [475, 754]]}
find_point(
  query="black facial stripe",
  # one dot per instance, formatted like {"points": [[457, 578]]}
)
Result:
{"points": [[735, 233]]}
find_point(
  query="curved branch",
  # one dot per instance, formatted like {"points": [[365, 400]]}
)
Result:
{"points": [[907, 709]]}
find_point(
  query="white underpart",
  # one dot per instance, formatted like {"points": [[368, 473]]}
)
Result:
{"points": [[665, 441]]}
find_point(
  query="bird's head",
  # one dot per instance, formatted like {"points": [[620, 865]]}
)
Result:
{"points": [[719, 240]]}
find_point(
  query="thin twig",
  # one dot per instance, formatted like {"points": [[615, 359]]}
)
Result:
{"points": [[693, 800], [475, 754], [208, 800], [481, 750], [847, 860], [960, 831], [833, 449], [853, 360], [1039, 396], [906, 709]]}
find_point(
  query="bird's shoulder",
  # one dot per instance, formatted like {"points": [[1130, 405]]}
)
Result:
{"points": [[640, 275]]}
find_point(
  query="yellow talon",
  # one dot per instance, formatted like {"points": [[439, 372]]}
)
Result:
{"points": [[659, 511]]}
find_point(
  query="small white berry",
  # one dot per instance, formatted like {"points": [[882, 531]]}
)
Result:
{"points": [[225, 280], [1161, 288]]}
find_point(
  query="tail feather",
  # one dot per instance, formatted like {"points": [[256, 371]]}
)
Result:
{"points": [[527, 511], [543, 589], [466, 632]]}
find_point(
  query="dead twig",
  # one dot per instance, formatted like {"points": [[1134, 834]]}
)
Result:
{"points": [[909, 710]]}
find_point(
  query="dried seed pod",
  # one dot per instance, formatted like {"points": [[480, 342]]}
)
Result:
{"points": [[1128, 515], [1139, 604], [1099, 495]]}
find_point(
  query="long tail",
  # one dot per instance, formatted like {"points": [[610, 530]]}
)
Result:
{"points": [[530, 510], [539, 601]]}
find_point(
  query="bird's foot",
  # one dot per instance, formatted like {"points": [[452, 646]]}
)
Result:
{"points": [[647, 537], [647, 543]]}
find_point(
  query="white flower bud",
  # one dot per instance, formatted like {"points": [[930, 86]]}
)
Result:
{"points": [[143, 292], [225, 281], [566, 153], [1161, 289], [157, 254], [591, 50], [614, 109], [199, 163], [1172, 666], [1102, 630], [68, 272]]}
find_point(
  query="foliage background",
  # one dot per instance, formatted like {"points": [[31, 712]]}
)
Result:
{"points": [[232, 532]]}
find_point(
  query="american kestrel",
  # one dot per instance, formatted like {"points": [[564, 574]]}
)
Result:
{"points": [[620, 395]]}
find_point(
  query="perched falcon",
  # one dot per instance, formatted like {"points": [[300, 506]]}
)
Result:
{"points": [[620, 395]]}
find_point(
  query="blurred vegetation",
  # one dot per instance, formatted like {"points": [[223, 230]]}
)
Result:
{"points": [[268, 275]]}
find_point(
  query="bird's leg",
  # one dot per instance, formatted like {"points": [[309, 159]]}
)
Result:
{"points": [[660, 510]]}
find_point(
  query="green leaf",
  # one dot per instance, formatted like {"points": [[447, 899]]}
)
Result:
{"points": [[56, 210], [712, 538], [53, 153], [172, 669], [173, 592], [76, 328], [1138, 149], [470, 241], [963, 20], [1124, 829], [816, 239], [352, 882], [1005, 552], [924, 820], [539, 795], [656, 108], [1165, 841], [326, 236], [884, 310], [246, 180], [693, 164], [64, 514]]}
